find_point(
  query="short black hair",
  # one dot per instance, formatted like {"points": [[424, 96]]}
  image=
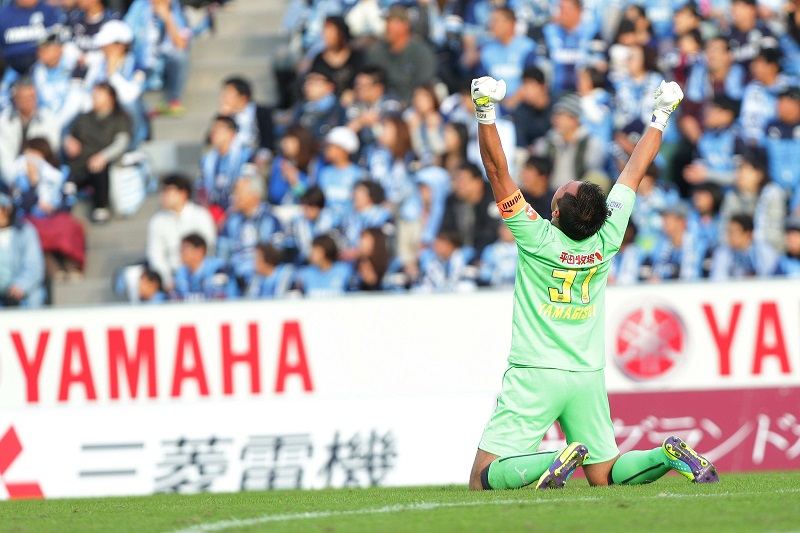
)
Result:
{"points": [[376, 73], [694, 35], [473, 170], [179, 181], [543, 165], [240, 85], [313, 197], [726, 103], [228, 121], [534, 73], [195, 240], [721, 39], [328, 246], [744, 220], [597, 77], [270, 254], [453, 237], [374, 190], [508, 12], [582, 214], [153, 277]]}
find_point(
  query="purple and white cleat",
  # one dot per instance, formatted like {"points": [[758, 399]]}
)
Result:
{"points": [[689, 463], [564, 466]]}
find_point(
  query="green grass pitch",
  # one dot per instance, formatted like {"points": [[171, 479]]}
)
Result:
{"points": [[741, 502]]}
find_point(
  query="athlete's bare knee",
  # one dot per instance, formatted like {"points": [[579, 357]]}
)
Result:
{"points": [[482, 460], [597, 474]]}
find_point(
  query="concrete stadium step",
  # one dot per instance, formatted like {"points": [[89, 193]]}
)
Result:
{"points": [[237, 46], [84, 292], [209, 74], [264, 16], [185, 129]]}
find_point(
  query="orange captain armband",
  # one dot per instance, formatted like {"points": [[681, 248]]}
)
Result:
{"points": [[512, 205]]}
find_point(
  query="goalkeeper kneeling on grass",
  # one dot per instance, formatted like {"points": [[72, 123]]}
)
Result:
{"points": [[555, 366]]}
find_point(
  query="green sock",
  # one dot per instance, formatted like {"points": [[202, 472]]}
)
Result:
{"points": [[639, 466], [516, 471]]}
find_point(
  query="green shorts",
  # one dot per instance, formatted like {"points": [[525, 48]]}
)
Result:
{"points": [[533, 399]]}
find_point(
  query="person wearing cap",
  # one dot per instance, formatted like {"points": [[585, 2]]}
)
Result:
{"points": [[166, 57], [759, 101], [717, 146], [743, 256], [23, 23], [782, 141], [507, 55], [747, 32], [758, 196], [568, 144], [407, 61], [789, 263], [23, 121], [319, 110], [118, 67], [338, 176], [21, 260], [678, 253], [221, 166]]}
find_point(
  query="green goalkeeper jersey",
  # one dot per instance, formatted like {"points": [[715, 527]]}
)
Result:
{"points": [[559, 292]]}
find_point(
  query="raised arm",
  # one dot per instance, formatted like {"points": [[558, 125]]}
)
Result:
{"points": [[486, 92], [667, 98]]}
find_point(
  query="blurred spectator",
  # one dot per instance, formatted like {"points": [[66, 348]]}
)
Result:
{"points": [[742, 257], [199, 277], [569, 145], [498, 262], [320, 110], [652, 197], [596, 104], [221, 166], [23, 121], [704, 216], [470, 211], [569, 45], [23, 23], [151, 288], [426, 126], [789, 263], [456, 138], [407, 61], [272, 278], [248, 224], [634, 91], [534, 181], [678, 254], [759, 101], [39, 184], [445, 265], [686, 26], [288, 179], [747, 33], [782, 141], [339, 61], [421, 216], [86, 21], [790, 40], [235, 101], [532, 115], [366, 20], [118, 67], [372, 262], [324, 276], [96, 140], [758, 197], [161, 45], [626, 265], [21, 260], [388, 162], [313, 221], [370, 105], [336, 179], [368, 212], [507, 55], [178, 216], [717, 146]]}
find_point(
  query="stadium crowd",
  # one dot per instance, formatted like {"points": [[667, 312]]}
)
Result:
{"points": [[365, 176]]}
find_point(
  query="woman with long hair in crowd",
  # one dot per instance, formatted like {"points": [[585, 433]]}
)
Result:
{"points": [[289, 174], [373, 260], [388, 163], [426, 125], [339, 60]]}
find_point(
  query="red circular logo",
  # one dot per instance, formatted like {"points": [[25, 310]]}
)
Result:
{"points": [[651, 341]]}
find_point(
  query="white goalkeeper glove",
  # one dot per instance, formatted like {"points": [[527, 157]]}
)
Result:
{"points": [[668, 96], [486, 92]]}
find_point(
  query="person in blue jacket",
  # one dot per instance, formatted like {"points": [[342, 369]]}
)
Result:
{"points": [[200, 277], [23, 23]]}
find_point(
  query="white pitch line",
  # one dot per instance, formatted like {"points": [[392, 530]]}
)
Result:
{"points": [[425, 506]]}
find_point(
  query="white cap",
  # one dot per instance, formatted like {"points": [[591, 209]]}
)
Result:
{"points": [[113, 31], [344, 138]]}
